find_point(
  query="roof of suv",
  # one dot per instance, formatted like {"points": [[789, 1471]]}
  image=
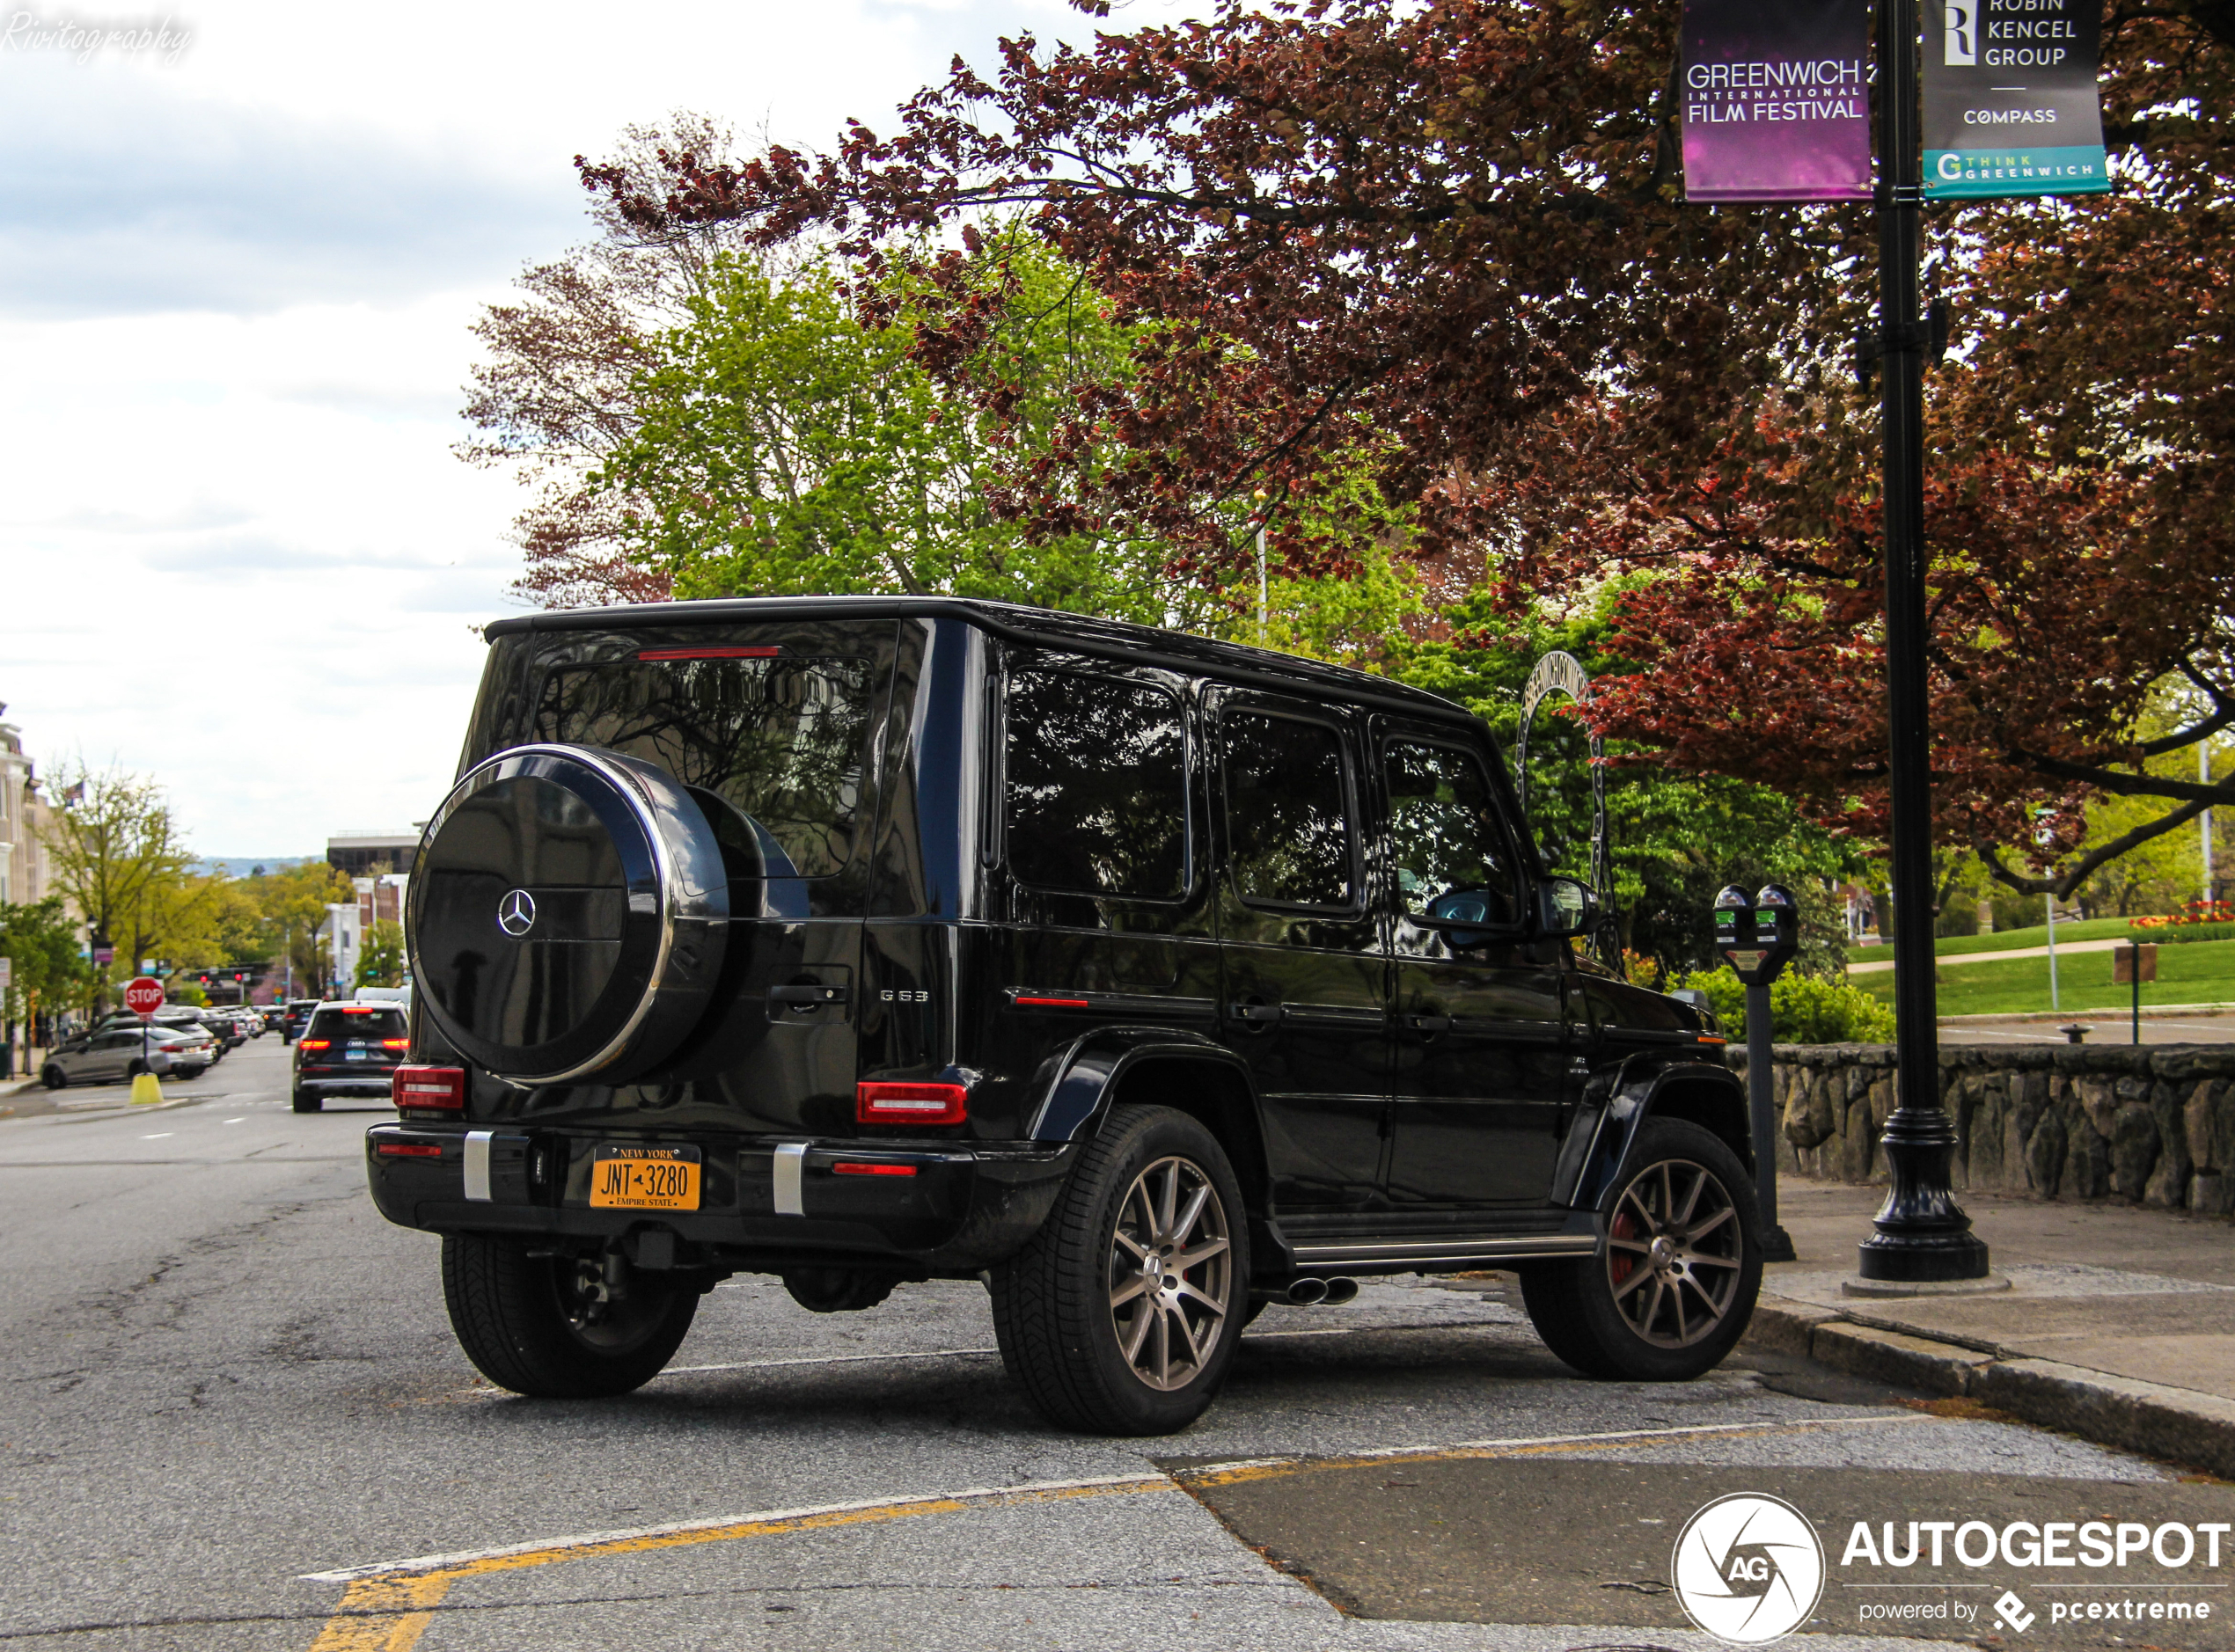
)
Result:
{"points": [[1231, 661]]}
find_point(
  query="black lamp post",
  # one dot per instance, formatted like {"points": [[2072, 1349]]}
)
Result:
{"points": [[1922, 1237]]}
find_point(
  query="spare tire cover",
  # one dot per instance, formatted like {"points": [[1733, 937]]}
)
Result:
{"points": [[569, 915]]}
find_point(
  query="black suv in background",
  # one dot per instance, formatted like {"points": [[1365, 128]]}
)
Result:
{"points": [[865, 940], [296, 1011], [348, 1050]]}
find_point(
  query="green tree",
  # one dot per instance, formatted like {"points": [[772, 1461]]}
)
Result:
{"points": [[381, 961], [1677, 838], [48, 971], [119, 855], [787, 441], [290, 905]]}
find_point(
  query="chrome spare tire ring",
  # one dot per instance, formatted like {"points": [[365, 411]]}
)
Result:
{"points": [[1675, 1253], [1171, 1273]]}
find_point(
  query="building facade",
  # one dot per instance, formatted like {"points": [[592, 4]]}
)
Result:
{"points": [[24, 816], [364, 853]]}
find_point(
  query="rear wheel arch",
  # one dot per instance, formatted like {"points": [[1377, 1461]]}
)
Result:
{"points": [[1217, 1094]]}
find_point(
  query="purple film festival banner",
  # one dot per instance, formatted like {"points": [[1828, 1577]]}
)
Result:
{"points": [[1777, 104]]}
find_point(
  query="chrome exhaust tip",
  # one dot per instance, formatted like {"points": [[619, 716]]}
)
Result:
{"points": [[1340, 1292], [1307, 1292]]}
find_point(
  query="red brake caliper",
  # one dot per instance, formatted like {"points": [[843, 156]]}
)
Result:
{"points": [[1620, 1263]]}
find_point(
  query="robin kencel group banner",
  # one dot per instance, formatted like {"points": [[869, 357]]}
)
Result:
{"points": [[2010, 99], [1777, 102]]}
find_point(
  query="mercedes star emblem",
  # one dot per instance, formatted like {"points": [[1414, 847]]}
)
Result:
{"points": [[516, 913]]}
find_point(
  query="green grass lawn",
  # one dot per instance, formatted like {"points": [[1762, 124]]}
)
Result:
{"points": [[2010, 940], [2196, 972]]}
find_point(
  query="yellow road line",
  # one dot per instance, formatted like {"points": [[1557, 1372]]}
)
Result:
{"points": [[387, 1612], [383, 1614], [386, 1606]]}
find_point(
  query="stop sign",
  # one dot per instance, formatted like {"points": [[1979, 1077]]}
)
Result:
{"points": [[144, 996]]}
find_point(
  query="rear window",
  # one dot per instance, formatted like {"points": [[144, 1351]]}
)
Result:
{"points": [[781, 743], [1096, 775], [356, 1024]]}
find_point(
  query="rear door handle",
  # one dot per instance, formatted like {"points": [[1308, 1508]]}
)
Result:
{"points": [[807, 997], [1428, 1025], [1257, 1015]]}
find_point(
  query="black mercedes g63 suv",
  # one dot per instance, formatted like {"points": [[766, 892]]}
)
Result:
{"points": [[864, 940]]}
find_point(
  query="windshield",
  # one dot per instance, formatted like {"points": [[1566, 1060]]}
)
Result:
{"points": [[781, 742]]}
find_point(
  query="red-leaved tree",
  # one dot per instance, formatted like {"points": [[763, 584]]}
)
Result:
{"points": [[1458, 226]]}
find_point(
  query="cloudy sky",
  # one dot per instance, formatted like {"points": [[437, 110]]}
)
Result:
{"points": [[235, 552]]}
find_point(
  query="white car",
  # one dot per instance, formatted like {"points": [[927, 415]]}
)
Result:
{"points": [[124, 1052]]}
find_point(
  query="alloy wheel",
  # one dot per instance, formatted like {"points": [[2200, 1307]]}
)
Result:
{"points": [[1673, 1253], [1171, 1273]]}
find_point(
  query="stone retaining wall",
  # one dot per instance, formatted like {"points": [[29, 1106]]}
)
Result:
{"points": [[2153, 1125]]}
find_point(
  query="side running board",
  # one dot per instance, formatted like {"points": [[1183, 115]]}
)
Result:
{"points": [[1355, 1254]]}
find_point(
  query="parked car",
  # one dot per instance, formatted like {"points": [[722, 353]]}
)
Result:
{"points": [[865, 940], [125, 1052], [348, 1049], [223, 1034]]}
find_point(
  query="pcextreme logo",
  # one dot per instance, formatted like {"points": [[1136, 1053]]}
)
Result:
{"points": [[1748, 1570]]}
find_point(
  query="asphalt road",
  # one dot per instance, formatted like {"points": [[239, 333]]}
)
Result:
{"points": [[234, 1416]]}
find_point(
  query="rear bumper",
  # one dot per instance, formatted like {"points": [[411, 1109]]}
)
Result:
{"points": [[965, 1207], [375, 1081]]}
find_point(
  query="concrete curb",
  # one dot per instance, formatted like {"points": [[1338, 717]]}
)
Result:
{"points": [[2178, 1424]]}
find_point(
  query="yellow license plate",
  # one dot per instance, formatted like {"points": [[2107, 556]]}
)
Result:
{"points": [[644, 1178]]}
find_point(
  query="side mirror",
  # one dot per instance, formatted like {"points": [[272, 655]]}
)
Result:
{"points": [[1565, 907]]}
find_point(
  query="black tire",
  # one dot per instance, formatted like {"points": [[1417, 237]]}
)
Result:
{"points": [[136, 1069], [1592, 1312], [54, 1078], [1057, 1314], [528, 1323], [305, 1102]]}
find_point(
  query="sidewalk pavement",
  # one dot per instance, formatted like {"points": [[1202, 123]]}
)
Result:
{"points": [[2119, 1325], [2109, 943], [2161, 1024]]}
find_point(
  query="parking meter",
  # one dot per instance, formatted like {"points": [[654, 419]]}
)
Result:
{"points": [[1758, 934]]}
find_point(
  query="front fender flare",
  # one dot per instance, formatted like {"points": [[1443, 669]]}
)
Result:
{"points": [[1598, 1141]]}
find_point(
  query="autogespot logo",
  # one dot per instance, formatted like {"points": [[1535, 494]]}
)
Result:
{"points": [[516, 913], [1748, 1570]]}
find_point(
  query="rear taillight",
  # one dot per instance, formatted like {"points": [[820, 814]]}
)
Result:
{"points": [[428, 1087], [395, 1043], [882, 1103], [314, 1043]]}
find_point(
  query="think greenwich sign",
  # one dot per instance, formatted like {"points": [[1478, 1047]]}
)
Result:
{"points": [[2010, 99], [1776, 100]]}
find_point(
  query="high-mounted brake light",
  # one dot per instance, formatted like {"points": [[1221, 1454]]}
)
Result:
{"points": [[428, 1087], [708, 654], [887, 1103], [314, 1043], [363, 1009], [849, 1168]]}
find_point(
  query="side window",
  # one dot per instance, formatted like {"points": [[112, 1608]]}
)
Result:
{"points": [[1096, 778], [1451, 859], [1288, 818]]}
